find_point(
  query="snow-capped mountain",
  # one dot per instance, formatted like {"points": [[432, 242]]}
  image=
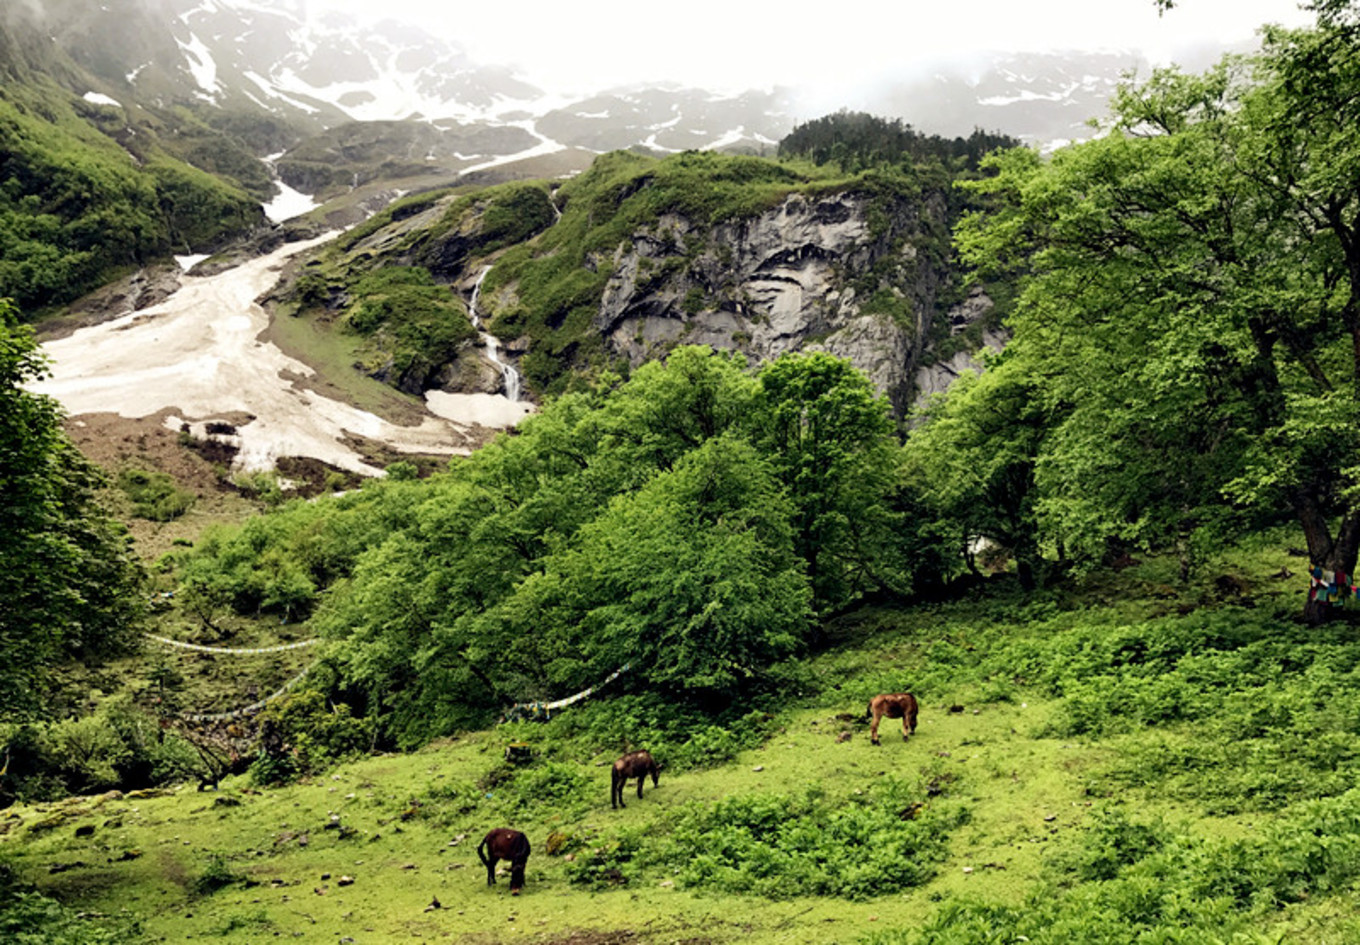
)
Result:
{"points": [[1045, 99], [340, 85], [338, 103]]}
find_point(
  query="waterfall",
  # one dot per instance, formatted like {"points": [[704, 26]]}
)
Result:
{"points": [[493, 345]]}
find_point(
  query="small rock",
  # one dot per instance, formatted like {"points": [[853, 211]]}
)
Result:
{"points": [[1050, 818], [968, 869], [758, 768], [345, 881]]}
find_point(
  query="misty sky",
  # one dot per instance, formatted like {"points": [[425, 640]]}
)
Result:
{"points": [[740, 44]]}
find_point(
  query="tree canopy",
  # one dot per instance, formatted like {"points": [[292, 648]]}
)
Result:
{"points": [[692, 521], [68, 582], [1190, 310]]}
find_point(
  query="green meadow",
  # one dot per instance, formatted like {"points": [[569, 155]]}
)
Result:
{"points": [[1120, 761]]}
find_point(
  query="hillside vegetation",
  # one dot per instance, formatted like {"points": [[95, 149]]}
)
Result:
{"points": [[79, 206], [549, 252], [1114, 762]]}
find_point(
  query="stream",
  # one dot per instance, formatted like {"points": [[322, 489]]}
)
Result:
{"points": [[493, 344], [490, 410]]}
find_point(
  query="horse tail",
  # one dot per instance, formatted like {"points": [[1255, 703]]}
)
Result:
{"points": [[869, 709], [481, 853]]}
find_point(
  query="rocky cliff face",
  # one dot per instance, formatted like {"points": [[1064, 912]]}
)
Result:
{"points": [[858, 267], [853, 274]]}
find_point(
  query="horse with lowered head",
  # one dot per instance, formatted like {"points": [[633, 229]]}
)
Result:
{"points": [[898, 705], [635, 764], [505, 844]]}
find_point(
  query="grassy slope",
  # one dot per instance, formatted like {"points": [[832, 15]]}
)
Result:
{"points": [[1030, 794]]}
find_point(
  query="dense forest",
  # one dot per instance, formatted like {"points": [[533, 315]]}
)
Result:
{"points": [[1087, 526], [855, 140]]}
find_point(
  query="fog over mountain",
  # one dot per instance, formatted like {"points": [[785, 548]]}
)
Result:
{"points": [[321, 63]]}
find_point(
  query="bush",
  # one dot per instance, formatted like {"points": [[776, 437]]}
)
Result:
{"points": [[217, 874], [154, 495], [1111, 844], [309, 735], [780, 847], [607, 864]]}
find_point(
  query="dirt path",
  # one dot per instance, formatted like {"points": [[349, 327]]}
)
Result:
{"points": [[200, 355]]}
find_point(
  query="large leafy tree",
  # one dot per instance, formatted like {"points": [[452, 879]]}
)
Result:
{"points": [[68, 583], [972, 463], [830, 436], [1192, 301]]}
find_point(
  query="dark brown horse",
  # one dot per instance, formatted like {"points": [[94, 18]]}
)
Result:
{"points": [[505, 844], [899, 705], [635, 764]]}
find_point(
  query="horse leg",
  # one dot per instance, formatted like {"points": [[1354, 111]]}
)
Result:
{"points": [[906, 718], [873, 730], [491, 870], [642, 777], [616, 786]]}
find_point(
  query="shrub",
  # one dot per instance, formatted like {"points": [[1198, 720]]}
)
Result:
{"points": [[780, 847], [315, 735], [1111, 844], [154, 495], [217, 874], [610, 863]]}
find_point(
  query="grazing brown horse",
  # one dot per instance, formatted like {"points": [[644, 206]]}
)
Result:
{"points": [[635, 764], [505, 844], [900, 705]]}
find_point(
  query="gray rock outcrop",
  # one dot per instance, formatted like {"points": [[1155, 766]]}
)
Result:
{"points": [[848, 273]]}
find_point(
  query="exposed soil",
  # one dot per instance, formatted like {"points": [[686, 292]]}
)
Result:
{"points": [[116, 443]]}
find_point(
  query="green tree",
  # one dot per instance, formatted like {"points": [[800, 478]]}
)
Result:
{"points": [[973, 462], [1193, 302], [830, 438], [693, 577], [69, 587]]}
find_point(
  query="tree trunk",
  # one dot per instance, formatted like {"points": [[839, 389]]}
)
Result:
{"points": [[1327, 553]]}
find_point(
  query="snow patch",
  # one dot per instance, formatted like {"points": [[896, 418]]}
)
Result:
{"points": [[99, 98], [288, 203], [487, 410], [201, 64]]}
